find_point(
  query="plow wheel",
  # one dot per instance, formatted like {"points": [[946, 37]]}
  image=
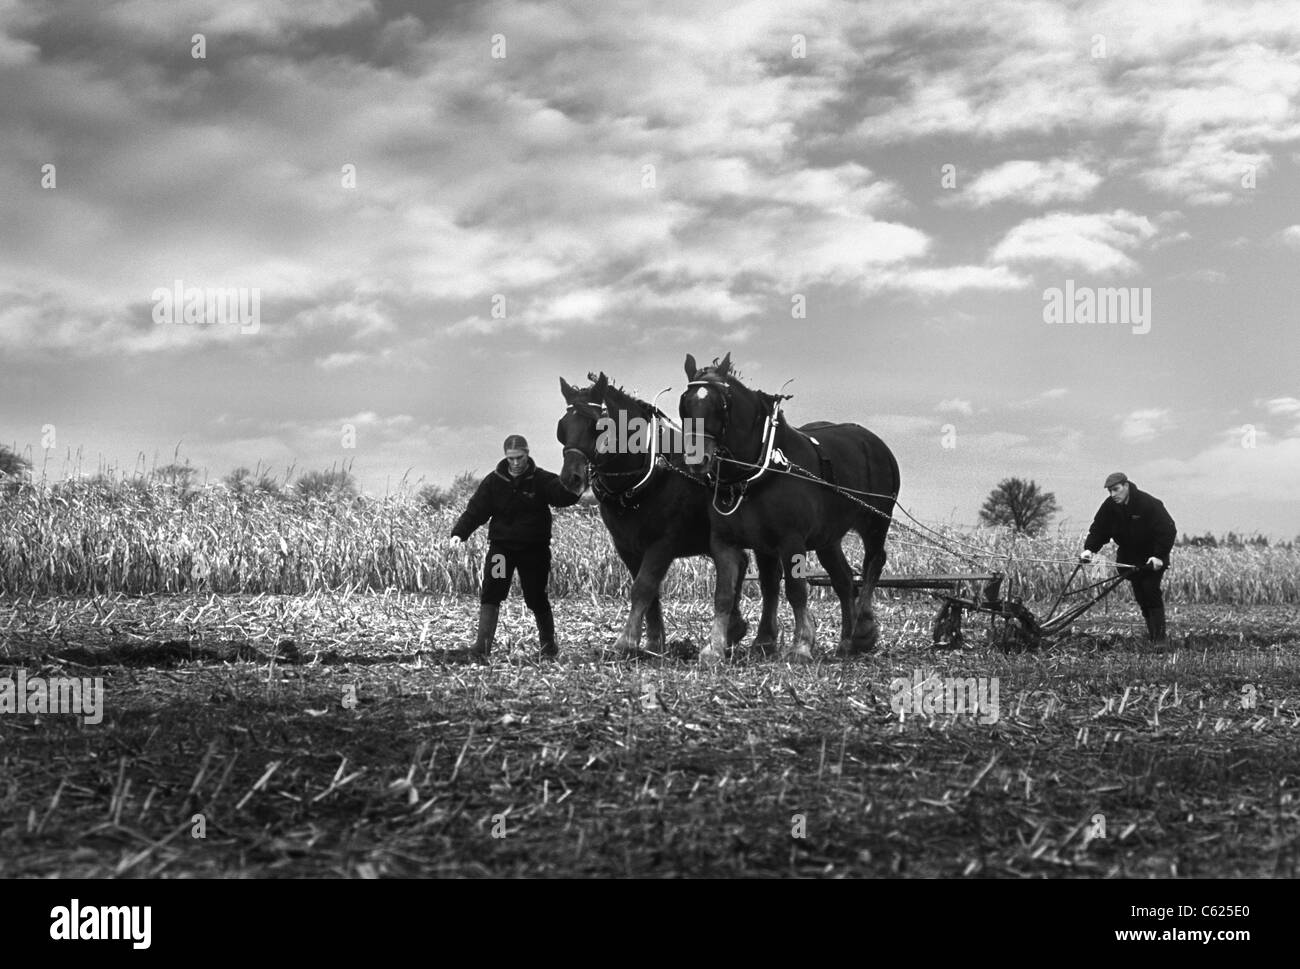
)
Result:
{"points": [[947, 627], [1020, 631]]}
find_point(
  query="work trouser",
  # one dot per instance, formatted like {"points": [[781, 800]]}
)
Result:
{"points": [[1146, 589], [534, 565]]}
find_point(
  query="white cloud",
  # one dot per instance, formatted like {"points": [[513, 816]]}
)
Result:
{"points": [[1144, 425], [1284, 407], [947, 280], [340, 361], [1268, 471], [14, 51], [1092, 242], [787, 250], [1030, 183], [267, 20], [1187, 96], [1055, 393], [738, 208], [848, 189], [955, 405]]}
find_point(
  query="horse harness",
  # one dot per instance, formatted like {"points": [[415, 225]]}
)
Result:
{"points": [[629, 498], [773, 458], [771, 454]]}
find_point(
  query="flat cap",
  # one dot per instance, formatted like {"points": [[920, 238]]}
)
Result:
{"points": [[1117, 477]]}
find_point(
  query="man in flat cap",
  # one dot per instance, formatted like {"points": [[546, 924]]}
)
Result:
{"points": [[1145, 534], [517, 497]]}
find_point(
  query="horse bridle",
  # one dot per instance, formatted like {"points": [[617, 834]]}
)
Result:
{"points": [[572, 408], [769, 426], [595, 472], [724, 394]]}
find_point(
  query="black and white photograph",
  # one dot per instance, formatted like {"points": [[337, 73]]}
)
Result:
{"points": [[545, 439]]}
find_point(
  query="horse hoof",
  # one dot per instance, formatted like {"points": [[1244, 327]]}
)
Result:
{"points": [[766, 650], [624, 645], [738, 632], [860, 645], [801, 654], [710, 657], [853, 648], [854, 653]]}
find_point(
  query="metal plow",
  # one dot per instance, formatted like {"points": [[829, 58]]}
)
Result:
{"points": [[1014, 626]]}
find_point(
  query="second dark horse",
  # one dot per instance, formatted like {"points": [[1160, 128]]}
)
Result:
{"points": [[764, 498], [653, 502]]}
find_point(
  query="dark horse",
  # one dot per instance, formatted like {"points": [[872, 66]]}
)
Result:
{"points": [[654, 503], [763, 499]]}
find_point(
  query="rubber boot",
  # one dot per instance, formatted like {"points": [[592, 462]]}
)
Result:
{"points": [[546, 632], [487, 630], [1156, 627]]}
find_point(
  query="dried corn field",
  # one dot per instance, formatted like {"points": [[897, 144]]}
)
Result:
{"points": [[296, 677], [157, 540]]}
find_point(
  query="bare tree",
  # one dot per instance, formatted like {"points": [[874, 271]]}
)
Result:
{"points": [[1020, 505], [177, 476], [335, 484], [239, 481]]}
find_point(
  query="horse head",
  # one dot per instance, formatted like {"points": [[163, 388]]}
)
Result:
{"points": [[726, 414], [578, 431]]}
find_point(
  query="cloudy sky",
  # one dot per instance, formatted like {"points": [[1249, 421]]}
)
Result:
{"points": [[441, 208]]}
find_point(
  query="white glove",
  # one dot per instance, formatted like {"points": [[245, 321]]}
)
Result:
{"points": [[455, 541], [1155, 563], [1085, 556]]}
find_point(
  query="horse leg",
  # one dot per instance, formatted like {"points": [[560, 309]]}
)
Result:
{"points": [[631, 633], [729, 561], [769, 581], [650, 571], [736, 626], [837, 567], [793, 560], [866, 634], [654, 625]]}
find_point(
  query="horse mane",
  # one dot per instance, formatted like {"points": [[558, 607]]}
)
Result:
{"points": [[628, 398], [711, 372]]}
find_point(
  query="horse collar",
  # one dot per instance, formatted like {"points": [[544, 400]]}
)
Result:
{"points": [[766, 445]]}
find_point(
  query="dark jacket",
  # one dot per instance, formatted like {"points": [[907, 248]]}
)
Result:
{"points": [[1140, 527], [519, 507]]}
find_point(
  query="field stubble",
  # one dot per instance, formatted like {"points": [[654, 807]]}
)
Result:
{"points": [[239, 709]]}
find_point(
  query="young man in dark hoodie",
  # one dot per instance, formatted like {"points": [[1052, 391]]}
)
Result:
{"points": [[517, 497], [1145, 535]]}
